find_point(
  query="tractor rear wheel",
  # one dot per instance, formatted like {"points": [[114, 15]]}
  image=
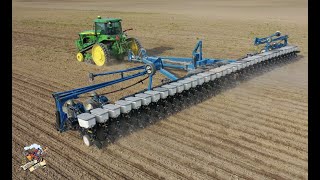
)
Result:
{"points": [[100, 54], [134, 45]]}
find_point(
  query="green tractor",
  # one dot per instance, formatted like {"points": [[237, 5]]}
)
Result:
{"points": [[107, 41]]}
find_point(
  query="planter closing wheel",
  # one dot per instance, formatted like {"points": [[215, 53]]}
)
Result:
{"points": [[86, 140]]}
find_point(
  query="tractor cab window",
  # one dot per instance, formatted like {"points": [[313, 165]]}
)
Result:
{"points": [[109, 28], [113, 28], [100, 28]]}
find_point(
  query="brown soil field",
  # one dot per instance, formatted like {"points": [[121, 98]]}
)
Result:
{"points": [[256, 130]]}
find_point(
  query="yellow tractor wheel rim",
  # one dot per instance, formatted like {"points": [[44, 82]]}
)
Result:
{"points": [[98, 55], [134, 47], [79, 56]]}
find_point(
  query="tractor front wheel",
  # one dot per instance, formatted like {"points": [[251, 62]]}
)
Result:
{"points": [[80, 57], [100, 54]]}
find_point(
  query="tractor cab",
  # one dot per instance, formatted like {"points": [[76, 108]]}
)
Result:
{"points": [[107, 26]]}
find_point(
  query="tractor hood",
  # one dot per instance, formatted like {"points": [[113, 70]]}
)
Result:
{"points": [[88, 32]]}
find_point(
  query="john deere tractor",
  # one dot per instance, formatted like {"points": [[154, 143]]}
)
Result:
{"points": [[107, 41]]}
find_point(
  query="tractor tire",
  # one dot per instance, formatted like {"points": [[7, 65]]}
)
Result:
{"points": [[100, 54], [80, 57], [134, 45]]}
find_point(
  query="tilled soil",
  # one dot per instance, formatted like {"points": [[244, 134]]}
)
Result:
{"points": [[255, 130]]}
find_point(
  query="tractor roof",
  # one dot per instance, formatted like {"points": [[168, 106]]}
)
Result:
{"points": [[103, 20]]}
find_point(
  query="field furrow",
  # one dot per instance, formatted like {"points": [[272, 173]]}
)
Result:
{"points": [[256, 128]]}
